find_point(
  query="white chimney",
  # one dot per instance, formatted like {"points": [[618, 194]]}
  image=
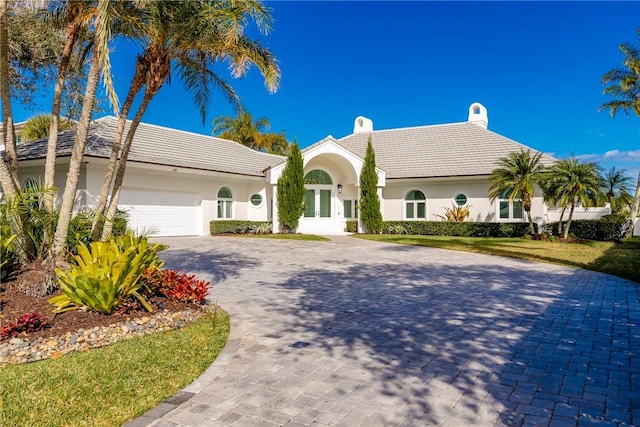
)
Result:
{"points": [[362, 124], [478, 115]]}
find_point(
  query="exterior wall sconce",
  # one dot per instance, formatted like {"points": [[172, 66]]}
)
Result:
{"points": [[339, 188]]}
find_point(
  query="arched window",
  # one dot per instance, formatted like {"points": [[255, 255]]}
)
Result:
{"points": [[317, 176], [415, 204], [225, 203]]}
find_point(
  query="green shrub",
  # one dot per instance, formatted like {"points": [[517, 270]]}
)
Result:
{"points": [[612, 227], [106, 274], [7, 256], [240, 227], [463, 229], [352, 226]]}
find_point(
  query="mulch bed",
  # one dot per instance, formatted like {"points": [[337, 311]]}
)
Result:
{"points": [[15, 303]]}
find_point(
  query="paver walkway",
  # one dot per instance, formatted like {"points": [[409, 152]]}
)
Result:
{"points": [[353, 332]]}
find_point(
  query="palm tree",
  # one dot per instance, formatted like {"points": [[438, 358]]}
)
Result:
{"points": [[39, 126], [616, 190], [253, 134], [580, 183], [193, 35], [516, 176], [75, 16], [9, 169], [624, 83], [625, 88], [98, 63]]}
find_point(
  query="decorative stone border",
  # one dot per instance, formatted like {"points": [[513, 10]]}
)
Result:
{"points": [[18, 350]]}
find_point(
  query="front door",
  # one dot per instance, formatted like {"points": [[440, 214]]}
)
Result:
{"points": [[317, 203], [318, 210]]}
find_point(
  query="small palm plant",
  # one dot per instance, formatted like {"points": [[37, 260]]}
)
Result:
{"points": [[456, 213]]}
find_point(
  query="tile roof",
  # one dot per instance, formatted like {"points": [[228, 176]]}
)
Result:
{"points": [[456, 149], [163, 146]]}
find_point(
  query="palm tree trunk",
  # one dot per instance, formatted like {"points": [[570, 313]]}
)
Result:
{"points": [[75, 163], [50, 162], [5, 95], [122, 165], [564, 208], [635, 206], [137, 82], [530, 219], [566, 228]]}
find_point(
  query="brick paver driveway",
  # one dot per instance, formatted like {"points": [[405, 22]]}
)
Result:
{"points": [[354, 332]]}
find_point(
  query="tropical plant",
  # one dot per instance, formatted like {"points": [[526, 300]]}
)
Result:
{"points": [[23, 215], [176, 285], [193, 36], [38, 127], [30, 322], [106, 274], [291, 191], [253, 134], [578, 183], [456, 213], [516, 177], [99, 62], [616, 190], [624, 87], [624, 83], [7, 256], [369, 201], [9, 177]]}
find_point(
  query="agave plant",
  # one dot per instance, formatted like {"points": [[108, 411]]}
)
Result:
{"points": [[455, 213]]}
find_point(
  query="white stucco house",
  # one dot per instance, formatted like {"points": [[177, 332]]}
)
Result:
{"points": [[177, 182]]}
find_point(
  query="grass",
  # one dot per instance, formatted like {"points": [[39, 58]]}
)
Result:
{"points": [[619, 259], [280, 236], [111, 385]]}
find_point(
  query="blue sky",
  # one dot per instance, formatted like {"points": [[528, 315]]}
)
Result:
{"points": [[535, 66]]}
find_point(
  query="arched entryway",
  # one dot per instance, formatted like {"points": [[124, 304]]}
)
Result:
{"points": [[320, 202]]}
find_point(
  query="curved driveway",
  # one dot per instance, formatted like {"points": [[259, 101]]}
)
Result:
{"points": [[353, 332]]}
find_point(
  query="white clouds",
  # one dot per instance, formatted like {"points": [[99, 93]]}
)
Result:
{"points": [[620, 156]]}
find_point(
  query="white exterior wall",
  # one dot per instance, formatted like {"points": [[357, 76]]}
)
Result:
{"points": [[440, 195], [205, 184]]}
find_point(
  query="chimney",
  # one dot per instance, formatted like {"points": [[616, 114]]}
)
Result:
{"points": [[478, 115], [362, 124]]}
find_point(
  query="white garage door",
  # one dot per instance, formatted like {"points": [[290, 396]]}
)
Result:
{"points": [[166, 213]]}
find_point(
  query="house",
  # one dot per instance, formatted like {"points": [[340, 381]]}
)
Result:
{"points": [[177, 181]]}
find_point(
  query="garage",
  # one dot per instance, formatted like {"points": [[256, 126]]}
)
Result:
{"points": [[165, 213]]}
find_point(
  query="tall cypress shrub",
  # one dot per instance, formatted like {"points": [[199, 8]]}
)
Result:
{"points": [[369, 201], [291, 191]]}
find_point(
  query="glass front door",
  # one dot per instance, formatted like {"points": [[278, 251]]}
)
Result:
{"points": [[317, 203]]}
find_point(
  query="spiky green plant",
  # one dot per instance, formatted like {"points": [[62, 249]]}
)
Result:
{"points": [[106, 274], [456, 213]]}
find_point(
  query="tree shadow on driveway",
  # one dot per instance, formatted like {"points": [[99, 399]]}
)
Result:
{"points": [[479, 345]]}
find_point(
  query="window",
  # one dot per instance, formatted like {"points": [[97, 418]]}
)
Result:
{"points": [[350, 209], [317, 176], [225, 203], [256, 200], [460, 199], [415, 205], [510, 209]]}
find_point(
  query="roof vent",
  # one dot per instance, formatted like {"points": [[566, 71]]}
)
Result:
{"points": [[478, 115], [362, 124]]}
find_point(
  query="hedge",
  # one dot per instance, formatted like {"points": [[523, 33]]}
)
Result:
{"points": [[240, 227], [464, 229], [609, 227], [352, 226]]}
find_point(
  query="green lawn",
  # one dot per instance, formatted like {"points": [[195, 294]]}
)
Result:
{"points": [[622, 260], [279, 236], [111, 385]]}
